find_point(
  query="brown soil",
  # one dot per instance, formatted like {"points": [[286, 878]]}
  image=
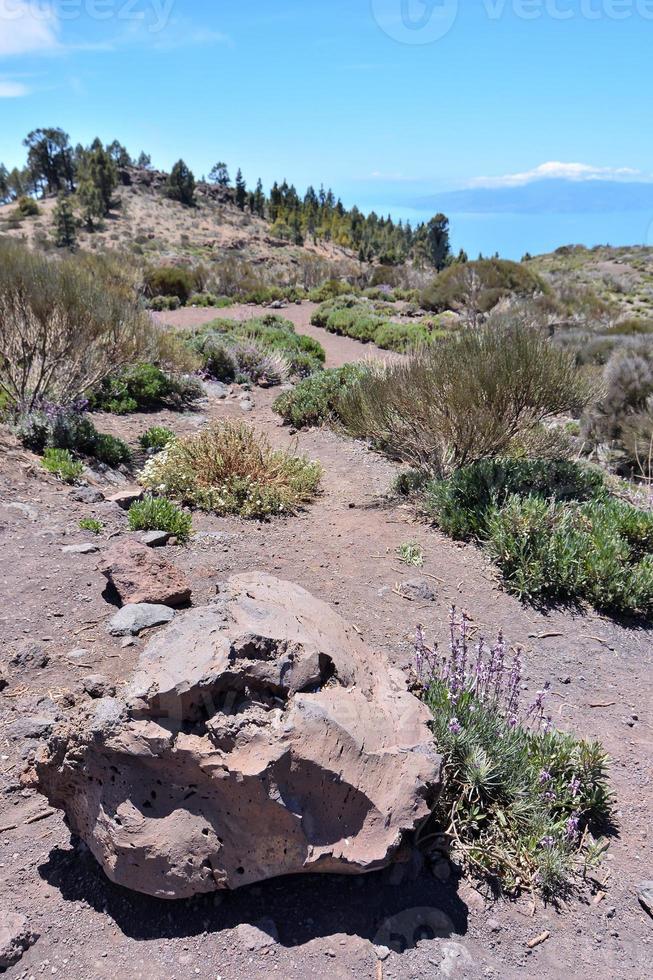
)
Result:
{"points": [[342, 548]]}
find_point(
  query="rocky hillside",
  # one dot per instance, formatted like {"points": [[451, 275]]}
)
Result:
{"points": [[145, 222]]}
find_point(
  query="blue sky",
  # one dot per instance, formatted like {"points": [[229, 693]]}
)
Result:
{"points": [[341, 91]]}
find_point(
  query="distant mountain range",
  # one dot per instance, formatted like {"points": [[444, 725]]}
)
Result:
{"points": [[545, 197]]}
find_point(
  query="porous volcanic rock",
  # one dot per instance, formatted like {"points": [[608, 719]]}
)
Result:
{"points": [[258, 736], [140, 575]]}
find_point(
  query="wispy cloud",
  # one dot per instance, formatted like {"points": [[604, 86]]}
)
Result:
{"points": [[555, 170], [27, 29], [13, 90]]}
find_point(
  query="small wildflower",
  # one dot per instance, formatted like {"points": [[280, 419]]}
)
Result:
{"points": [[455, 727], [548, 843], [574, 786], [572, 831]]}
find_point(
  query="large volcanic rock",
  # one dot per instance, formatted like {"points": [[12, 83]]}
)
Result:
{"points": [[258, 737]]}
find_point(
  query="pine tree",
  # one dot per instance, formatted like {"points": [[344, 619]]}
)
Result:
{"points": [[220, 175], [181, 184], [144, 160], [97, 168], [91, 202], [241, 190], [259, 199], [64, 223]]}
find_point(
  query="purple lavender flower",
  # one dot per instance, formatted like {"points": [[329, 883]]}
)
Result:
{"points": [[572, 831], [548, 842], [455, 727], [545, 776], [574, 786]]}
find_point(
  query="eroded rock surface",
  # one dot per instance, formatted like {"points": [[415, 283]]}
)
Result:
{"points": [[258, 737], [140, 575]]}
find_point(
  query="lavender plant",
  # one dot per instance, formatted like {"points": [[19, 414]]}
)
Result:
{"points": [[521, 802]]}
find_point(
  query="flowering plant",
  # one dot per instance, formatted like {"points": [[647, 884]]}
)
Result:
{"points": [[520, 801]]}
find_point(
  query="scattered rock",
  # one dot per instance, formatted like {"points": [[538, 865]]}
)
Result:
{"points": [[97, 686], [382, 952], [88, 548], [246, 406], [261, 935], [126, 497], [645, 896], [494, 925], [405, 929], [34, 726], [419, 588], [133, 619], [258, 737], [25, 509], [87, 495], [78, 655], [155, 539], [16, 937], [455, 959], [30, 655], [140, 576]]}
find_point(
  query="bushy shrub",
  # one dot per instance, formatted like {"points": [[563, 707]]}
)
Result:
{"points": [[169, 280], [622, 418], [111, 450], [522, 802], [156, 437], [461, 504], [61, 463], [161, 303], [329, 289], [26, 207], [356, 323], [145, 387], [600, 552], [229, 469], [160, 514], [65, 325], [469, 397], [316, 400], [403, 337], [478, 286]]}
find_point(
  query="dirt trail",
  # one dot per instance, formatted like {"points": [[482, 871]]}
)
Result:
{"points": [[342, 548]]}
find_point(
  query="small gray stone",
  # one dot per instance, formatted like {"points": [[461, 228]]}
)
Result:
{"points": [[81, 549], [494, 925], [418, 588], [645, 896], [87, 495], [15, 937], [133, 619], [246, 406], [382, 952], [79, 654], [260, 935], [155, 539], [34, 726], [24, 509], [98, 686]]}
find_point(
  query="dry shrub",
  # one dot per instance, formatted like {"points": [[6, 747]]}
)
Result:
{"points": [[473, 396], [64, 325], [230, 469]]}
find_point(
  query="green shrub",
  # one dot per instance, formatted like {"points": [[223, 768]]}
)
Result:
{"points": [[170, 280], [411, 553], [480, 285], [111, 450], [61, 463], [156, 437], [26, 207], [160, 303], [402, 337], [601, 552], [522, 802], [460, 505], [160, 514], [229, 469], [328, 290], [472, 396], [145, 387], [316, 400], [91, 524]]}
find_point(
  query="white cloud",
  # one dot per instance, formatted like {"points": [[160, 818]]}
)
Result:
{"points": [[555, 170], [27, 28], [13, 90]]}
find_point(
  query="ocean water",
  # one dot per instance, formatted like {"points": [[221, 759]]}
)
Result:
{"points": [[512, 235]]}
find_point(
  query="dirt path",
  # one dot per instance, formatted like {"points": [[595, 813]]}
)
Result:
{"points": [[338, 350], [342, 548]]}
